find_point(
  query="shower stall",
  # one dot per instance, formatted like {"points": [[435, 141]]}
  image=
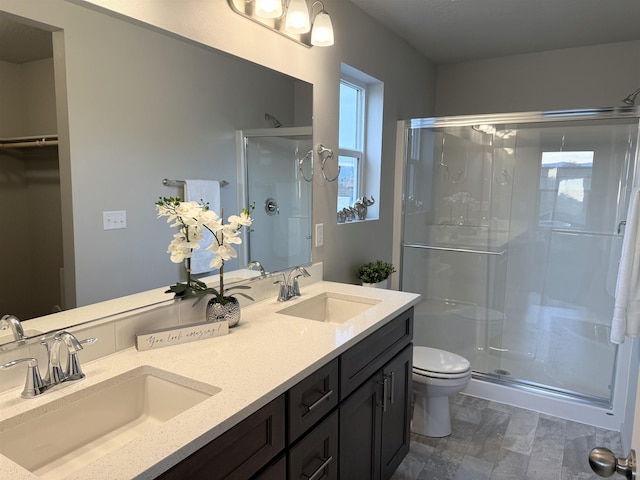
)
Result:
{"points": [[512, 232]]}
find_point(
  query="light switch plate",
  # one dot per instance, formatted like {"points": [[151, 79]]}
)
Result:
{"points": [[114, 220]]}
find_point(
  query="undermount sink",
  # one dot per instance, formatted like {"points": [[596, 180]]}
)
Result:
{"points": [[330, 307], [89, 424]]}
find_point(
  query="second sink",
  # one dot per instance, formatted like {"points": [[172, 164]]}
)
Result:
{"points": [[330, 307]]}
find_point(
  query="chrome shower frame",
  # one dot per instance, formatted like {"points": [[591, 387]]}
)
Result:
{"points": [[565, 404]]}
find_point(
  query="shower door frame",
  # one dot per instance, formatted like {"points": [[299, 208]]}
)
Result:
{"points": [[528, 394]]}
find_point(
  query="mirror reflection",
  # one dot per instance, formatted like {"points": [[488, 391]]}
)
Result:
{"points": [[130, 107]]}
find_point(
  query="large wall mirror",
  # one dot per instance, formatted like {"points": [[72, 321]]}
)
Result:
{"points": [[131, 106]]}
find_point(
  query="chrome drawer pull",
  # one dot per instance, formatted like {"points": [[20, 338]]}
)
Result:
{"points": [[318, 472], [319, 401]]}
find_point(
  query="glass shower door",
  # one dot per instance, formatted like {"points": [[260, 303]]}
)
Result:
{"points": [[572, 185], [455, 235]]}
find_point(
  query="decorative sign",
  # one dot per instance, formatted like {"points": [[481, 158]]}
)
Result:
{"points": [[166, 337]]}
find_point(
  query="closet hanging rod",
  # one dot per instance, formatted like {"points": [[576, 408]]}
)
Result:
{"points": [[40, 142], [179, 183]]}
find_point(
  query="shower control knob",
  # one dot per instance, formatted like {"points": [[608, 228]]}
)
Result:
{"points": [[604, 463]]}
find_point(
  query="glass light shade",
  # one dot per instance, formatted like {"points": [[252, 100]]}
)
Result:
{"points": [[322, 33], [297, 20], [268, 8]]}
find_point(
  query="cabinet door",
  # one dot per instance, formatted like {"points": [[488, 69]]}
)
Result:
{"points": [[360, 429], [315, 457], [395, 416]]}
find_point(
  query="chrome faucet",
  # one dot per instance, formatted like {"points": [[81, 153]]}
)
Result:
{"points": [[73, 372], [34, 384], [289, 286], [12, 323], [257, 266]]}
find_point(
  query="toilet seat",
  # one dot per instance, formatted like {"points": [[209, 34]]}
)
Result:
{"points": [[433, 363]]}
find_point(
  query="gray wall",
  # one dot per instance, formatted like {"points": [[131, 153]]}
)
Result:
{"points": [[597, 76]]}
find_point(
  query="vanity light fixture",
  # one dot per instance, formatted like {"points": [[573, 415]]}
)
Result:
{"points": [[268, 8], [291, 18]]}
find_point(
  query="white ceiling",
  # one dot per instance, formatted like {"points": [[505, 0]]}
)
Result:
{"points": [[449, 31]]}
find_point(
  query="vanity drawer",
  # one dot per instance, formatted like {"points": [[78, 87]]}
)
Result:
{"points": [[312, 398], [239, 453], [316, 455], [365, 358]]}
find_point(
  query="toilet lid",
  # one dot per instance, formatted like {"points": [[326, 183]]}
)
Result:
{"points": [[431, 360]]}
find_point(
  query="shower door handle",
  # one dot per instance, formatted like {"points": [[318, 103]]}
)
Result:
{"points": [[604, 462], [620, 225]]}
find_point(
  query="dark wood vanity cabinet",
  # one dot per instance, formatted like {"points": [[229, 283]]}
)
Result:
{"points": [[348, 420], [375, 423]]}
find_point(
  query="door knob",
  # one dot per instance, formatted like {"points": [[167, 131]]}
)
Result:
{"points": [[604, 462]]}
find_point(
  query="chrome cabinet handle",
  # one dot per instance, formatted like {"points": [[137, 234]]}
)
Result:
{"points": [[385, 392], [325, 464], [392, 395], [315, 404]]}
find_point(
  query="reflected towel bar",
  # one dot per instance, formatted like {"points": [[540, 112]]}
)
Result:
{"points": [[448, 249], [179, 183]]}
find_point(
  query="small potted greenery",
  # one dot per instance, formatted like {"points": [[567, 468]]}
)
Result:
{"points": [[375, 274]]}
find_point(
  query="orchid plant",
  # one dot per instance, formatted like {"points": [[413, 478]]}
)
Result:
{"points": [[192, 219]]}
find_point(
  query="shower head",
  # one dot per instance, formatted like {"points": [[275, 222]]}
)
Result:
{"points": [[272, 119], [631, 98]]}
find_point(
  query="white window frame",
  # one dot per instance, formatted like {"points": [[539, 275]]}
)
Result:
{"points": [[361, 131]]}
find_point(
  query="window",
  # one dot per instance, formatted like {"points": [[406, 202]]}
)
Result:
{"points": [[565, 188], [359, 140], [351, 140]]}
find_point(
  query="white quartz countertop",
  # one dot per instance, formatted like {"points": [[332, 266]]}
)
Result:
{"points": [[262, 358]]}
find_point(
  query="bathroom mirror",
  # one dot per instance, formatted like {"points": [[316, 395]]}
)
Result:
{"points": [[143, 106]]}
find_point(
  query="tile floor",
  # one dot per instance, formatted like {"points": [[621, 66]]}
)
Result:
{"points": [[493, 441]]}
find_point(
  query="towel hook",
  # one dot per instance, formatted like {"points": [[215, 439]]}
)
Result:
{"points": [[326, 154]]}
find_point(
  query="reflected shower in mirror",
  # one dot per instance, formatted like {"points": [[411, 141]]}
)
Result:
{"points": [[277, 170]]}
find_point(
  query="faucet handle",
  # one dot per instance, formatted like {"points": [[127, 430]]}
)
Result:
{"points": [[74, 371], [283, 293], [33, 384]]}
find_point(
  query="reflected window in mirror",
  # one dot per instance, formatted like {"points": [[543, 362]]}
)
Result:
{"points": [[360, 145]]}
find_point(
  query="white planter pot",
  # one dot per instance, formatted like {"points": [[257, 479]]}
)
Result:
{"points": [[382, 284]]}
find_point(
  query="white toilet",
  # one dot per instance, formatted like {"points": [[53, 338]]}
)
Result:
{"points": [[437, 375]]}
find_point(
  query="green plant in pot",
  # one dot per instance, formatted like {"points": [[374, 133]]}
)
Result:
{"points": [[375, 273]]}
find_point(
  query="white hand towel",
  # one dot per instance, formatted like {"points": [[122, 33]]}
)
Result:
{"points": [[207, 191], [626, 311]]}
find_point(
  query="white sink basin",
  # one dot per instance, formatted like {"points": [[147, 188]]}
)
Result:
{"points": [[88, 424], [330, 307]]}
